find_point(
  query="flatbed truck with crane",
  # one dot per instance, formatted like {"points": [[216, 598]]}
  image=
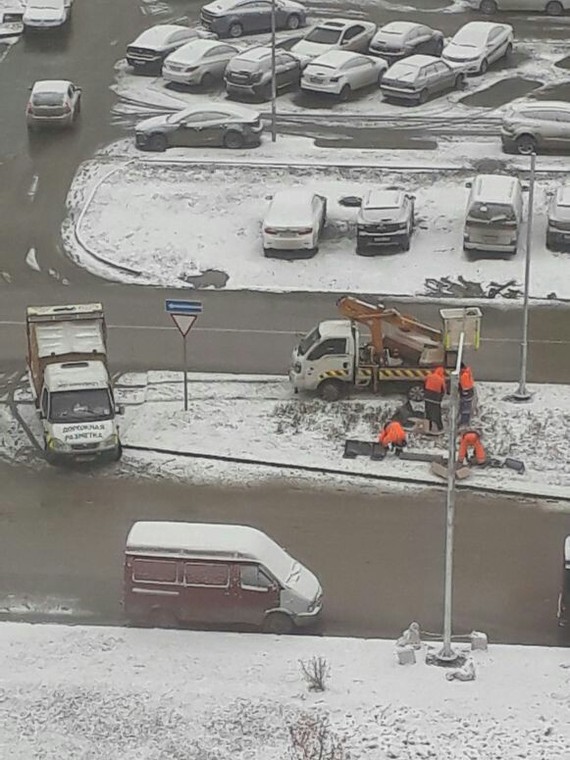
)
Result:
{"points": [[399, 351]]}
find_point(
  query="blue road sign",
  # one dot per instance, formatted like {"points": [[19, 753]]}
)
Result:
{"points": [[183, 307]]}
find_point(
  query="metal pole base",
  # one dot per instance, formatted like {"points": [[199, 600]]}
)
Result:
{"points": [[520, 397], [446, 658]]}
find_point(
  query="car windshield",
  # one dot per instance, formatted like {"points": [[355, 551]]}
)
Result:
{"points": [[323, 35], [492, 212], [79, 406], [176, 118], [403, 71], [48, 98], [309, 340]]}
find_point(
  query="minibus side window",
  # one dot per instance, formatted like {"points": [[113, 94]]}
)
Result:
{"points": [[253, 577], [206, 574], [154, 571]]}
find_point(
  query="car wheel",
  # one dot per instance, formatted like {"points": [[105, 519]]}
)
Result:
{"points": [[416, 392], [484, 66], [509, 50], [207, 81], [525, 145], [405, 244], [554, 8], [344, 94], [459, 81], [438, 48], [78, 106], [550, 242], [279, 623], [423, 97], [380, 78], [235, 30], [265, 92], [233, 140], [488, 6], [293, 21], [331, 390], [157, 143]]}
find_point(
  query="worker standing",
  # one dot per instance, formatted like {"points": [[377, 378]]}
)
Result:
{"points": [[393, 437], [471, 448], [466, 394], [434, 390]]}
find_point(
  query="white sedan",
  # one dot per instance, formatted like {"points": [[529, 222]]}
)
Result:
{"points": [[478, 44], [198, 62], [293, 224], [339, 73]]}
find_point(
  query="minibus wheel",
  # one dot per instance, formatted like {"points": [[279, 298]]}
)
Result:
{"points": [[160, 618], [278, 622]]}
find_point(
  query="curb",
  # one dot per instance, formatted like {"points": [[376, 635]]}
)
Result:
{"points": [[347, 473]]}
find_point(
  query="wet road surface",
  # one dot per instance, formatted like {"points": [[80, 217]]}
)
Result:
{"points": [[379, 556]]}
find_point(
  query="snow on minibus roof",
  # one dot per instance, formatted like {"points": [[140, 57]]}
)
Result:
{"points": [[567, 550], [209, 540]]}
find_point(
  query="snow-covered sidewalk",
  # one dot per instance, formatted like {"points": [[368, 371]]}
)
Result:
{"points": [[70, 693], [199, 225], [264, 431]]}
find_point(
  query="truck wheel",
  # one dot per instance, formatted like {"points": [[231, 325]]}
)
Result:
{"points": [[554, 8], [161, 618], [488, 7], [416, 392], [278, 622], [331, 390], [235, 30]]}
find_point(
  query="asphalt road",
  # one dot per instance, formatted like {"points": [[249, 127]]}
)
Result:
{"points": [[379, 556]]}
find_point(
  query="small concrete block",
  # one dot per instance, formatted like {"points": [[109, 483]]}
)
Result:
{"points": [[479, 641], [439, 469], [462, 472], [406, 655]]}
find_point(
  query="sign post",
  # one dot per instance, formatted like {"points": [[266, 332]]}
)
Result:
{"points": [[183, 314]]}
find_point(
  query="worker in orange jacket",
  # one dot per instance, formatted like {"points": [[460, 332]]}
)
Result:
{"points": [[471, 448], [466, 394], [434, 391], [393, 437]]}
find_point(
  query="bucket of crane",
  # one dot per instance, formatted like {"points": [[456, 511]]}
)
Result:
{"points": [[461, 320]]}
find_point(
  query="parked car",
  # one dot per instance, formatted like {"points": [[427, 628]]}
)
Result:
{"points": [[293, 224], [11, 23], [479, 44], [203, 573], [339, 73], [400, 39], [151, 47], [334, 34], [249, 73], [198, 62], [46, 14], [551, 7], [385, 219], [558, 220], [53, 103], [232, 18], [494, 214], [418, 77], [536, 126], [201, 126]]}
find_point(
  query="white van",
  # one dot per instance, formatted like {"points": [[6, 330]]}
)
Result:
{"points": [[494, 214], [550, 7], [219, 575]]}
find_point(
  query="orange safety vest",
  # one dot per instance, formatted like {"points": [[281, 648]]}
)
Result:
{"points": [[435, 381], [392, 433], [471, 440], [466, 382]]}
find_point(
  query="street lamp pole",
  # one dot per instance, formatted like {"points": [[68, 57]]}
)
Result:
{"points": [[522, 393], [446, 654], [273, 79]]}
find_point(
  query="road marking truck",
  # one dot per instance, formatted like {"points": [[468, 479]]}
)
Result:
{"points": [[70, 382], [399, 353]]}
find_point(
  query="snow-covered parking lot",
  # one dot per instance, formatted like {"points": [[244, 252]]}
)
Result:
{"points": [[169, 222], [74, 692]]}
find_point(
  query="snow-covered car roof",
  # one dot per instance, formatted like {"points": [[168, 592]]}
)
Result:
{"points": [[230, 110], [336, 58], [563, 195], [209, 540], [400, 28], [58, 86], [383, 199], [540, 105], [156, 35], [412, 62], [224, 5], [493, 188], [291, 207], [344, 23], [91, 375], [254, 54], [195, 49], [476, 32]]}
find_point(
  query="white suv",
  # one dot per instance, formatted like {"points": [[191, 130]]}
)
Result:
{"points": [[385, 218]]}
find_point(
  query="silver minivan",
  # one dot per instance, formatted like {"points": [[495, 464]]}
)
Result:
{"points": [[551, 7], [494, 214]]}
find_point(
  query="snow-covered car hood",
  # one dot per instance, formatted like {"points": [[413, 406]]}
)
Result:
{"points": [[304, 583], [41, 15], [463, 52], [307, 49], [559, 213], [83, 432]]}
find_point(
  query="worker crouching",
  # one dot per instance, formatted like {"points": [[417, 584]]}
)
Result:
{"points": [[471, 449], [393, 437]]}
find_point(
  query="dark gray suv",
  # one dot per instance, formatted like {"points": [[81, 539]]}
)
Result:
{"points": [[232, 18], [249, 73]]}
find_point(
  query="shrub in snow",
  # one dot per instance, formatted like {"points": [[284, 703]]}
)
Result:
{"points": [[466, 673], [315, 672], [313, 739]]}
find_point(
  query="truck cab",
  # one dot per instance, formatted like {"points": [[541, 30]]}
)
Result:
{"points": [[77, 410], [324, 357]]}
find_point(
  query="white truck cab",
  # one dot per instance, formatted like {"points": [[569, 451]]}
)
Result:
{"points": [[326, 353]]}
